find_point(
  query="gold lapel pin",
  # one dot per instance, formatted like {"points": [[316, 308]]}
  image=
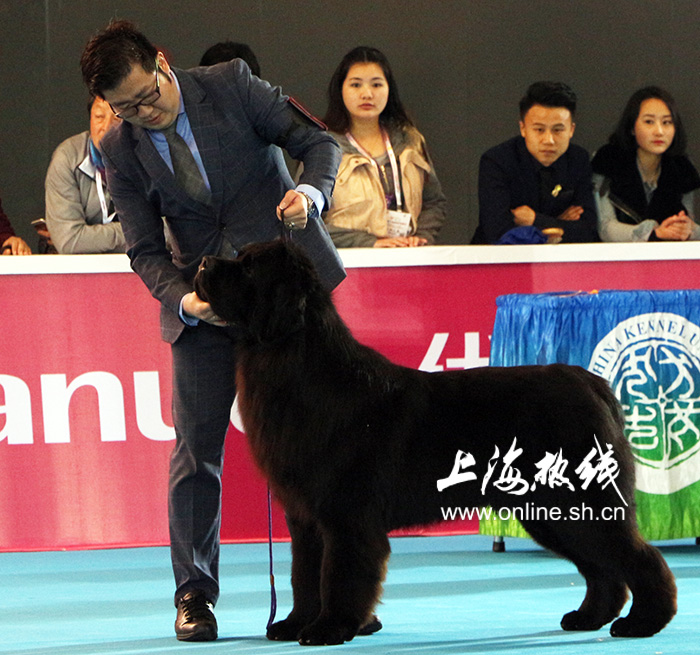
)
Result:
{"points": [[556, 190]]}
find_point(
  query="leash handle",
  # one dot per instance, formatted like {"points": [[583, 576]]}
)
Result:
{"points": [[290, 225], [285, 233]]}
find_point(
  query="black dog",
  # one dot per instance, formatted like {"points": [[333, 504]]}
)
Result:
{"points": [[354, 446]]}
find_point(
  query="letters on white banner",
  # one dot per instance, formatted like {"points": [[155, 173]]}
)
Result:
{"points": [[56, 394]]}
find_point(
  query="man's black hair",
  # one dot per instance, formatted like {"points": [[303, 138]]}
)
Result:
{"points": [[548, 94], [228, 50], [110, 55]]}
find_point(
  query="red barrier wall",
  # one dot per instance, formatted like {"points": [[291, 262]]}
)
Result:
{"points": [[85, 380]]}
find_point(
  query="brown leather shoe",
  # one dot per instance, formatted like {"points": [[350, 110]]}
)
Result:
{"points": [[195, 620]]}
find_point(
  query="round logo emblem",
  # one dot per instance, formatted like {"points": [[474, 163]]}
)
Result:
{"points": [[652, 362]]}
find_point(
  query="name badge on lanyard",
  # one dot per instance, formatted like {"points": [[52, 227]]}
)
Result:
{"points": [[398, 221]]}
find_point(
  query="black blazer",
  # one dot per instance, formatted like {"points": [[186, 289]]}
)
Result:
{"points": [[509, 178], [236, 118]]}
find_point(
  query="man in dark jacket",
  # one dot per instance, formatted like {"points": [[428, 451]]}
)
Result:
{"points": [[539, 181], [198, 148]]}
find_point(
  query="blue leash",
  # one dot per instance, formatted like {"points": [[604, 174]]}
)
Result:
{"points": [[273, 593], [286, 228]]}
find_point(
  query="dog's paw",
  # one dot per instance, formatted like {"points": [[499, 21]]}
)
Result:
{"points": [[372, 626], [326, 632], [287, 630], [626, 627], [578, 620]]}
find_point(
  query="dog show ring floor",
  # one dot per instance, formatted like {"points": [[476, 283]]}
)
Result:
{"points": [[443, 595]]}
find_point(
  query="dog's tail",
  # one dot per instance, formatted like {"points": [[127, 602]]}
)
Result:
{"points": [[606, 394], [613, 432]]}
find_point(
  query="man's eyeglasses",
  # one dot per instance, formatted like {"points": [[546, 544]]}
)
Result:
{"points": [[130, 112]]}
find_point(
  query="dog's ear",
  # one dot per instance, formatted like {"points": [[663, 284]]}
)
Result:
{"points": [[282, 286], [281, 315]]}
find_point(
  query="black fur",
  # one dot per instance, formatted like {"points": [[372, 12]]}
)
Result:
{"points": [[353, 446]]}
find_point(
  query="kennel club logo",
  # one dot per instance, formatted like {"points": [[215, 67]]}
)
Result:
{"points": [[652, 362]]}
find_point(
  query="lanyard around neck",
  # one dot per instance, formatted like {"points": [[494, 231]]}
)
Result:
{"points": [[392, 161], [101, 196], [98, 166]]}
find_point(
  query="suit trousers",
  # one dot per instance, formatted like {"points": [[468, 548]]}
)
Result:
{"points": [[204, 388]]}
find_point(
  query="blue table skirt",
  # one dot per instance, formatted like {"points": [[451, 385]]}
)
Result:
{"points": [[647, 345]]}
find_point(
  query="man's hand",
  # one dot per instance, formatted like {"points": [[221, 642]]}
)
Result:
{"points": [[194, 306], [15, 246], [572, 213], [523, 215], [293, 205], [675, 228]]}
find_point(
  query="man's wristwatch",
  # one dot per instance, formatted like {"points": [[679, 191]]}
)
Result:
{"points": [[311, 209]]}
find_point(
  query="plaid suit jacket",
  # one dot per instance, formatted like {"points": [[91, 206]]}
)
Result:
{"points": [[236, 118]]}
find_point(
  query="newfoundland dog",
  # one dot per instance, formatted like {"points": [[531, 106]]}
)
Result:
{"points": [[355, 446]]}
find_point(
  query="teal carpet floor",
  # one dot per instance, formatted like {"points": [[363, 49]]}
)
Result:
{"points": [[443, 595]]}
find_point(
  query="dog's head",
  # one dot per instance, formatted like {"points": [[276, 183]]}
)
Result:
{"points": [[264, 290]]}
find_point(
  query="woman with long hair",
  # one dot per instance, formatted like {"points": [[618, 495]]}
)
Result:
{"points": [[386, 193], [644, 182]]}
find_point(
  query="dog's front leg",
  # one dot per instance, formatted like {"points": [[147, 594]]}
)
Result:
{"points": [[353, 569], [307, 552]]}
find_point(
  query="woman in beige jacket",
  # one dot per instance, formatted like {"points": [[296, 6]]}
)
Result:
{"points": [[386, 193]]}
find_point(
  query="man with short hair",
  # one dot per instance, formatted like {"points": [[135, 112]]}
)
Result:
{"points": [[79, 212], [197, 147], [539, 182]]}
